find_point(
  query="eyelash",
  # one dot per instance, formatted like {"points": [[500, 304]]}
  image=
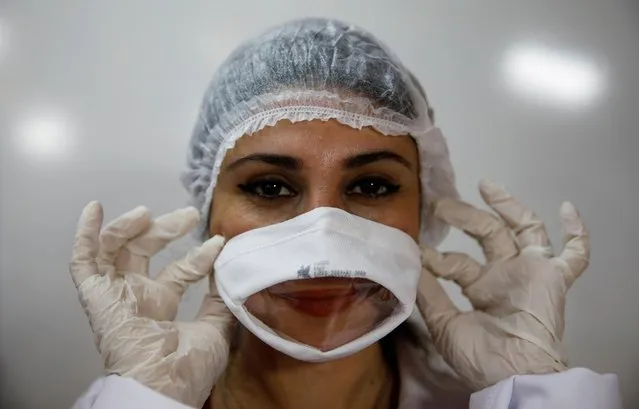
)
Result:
{"points": [[253, 188], [383, 183]]}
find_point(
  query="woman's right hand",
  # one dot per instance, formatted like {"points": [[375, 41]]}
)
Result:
{"points": [[132, 315]]}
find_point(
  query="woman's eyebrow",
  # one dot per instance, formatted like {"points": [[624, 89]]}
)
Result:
{"points": [[370, 157], [282, 161]]}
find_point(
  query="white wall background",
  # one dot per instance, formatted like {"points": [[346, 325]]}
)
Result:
{"points": [[97, 100]]}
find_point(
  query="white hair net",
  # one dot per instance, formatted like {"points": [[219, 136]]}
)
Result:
{"points": [[316, 69]]}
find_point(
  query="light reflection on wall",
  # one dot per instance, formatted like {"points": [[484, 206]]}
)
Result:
{"points": [[553, 76], [45, 137]]}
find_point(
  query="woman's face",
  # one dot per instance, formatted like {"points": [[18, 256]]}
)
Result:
{"points": [[289, 169]]}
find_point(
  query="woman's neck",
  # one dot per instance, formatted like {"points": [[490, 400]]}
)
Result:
{"points": [[261, 377]]}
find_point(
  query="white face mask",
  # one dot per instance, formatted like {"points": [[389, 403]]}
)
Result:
{"points": [[324, 285]]}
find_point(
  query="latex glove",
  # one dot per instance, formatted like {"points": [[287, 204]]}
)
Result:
{"points": [[132, 315], [518, 295]]}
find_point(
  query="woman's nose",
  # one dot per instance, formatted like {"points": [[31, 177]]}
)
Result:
{"points": [[324, 196]]}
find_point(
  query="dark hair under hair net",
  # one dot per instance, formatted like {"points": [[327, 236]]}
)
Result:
{"points": [[308, 70]]}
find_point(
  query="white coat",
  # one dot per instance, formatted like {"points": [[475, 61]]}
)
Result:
{"points": [[573, 389]]}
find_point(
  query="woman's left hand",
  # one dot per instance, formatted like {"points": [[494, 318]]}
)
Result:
{"points": [[518, 295]]}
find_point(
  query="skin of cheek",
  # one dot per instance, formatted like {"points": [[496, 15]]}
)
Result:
{"points": [[230, 218], [404, 218]]}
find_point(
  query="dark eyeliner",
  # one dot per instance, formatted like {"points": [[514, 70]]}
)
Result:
{"points": [[390, 187], [250, 188]]}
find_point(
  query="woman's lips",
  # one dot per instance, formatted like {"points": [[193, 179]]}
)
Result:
{"points": [[322, 297], [321, 302], [319, 293]]}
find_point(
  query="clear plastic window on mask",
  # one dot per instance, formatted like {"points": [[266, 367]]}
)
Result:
{"points": [[323, 313]]}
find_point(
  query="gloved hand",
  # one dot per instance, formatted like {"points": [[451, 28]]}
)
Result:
{"points": [[518, 295], [132, 315]]}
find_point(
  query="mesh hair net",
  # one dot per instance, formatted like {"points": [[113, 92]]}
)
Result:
{"points": [[316, 69]]}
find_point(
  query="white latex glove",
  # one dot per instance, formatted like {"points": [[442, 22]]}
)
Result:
{"points": [[518, 295], [132, 315]]}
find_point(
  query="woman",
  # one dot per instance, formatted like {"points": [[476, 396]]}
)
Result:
{"points": [[317, 169]]}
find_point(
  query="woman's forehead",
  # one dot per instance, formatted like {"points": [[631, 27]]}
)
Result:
{"points": [[320, 138]]}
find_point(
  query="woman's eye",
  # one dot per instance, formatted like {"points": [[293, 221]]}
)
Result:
{"points": [[268, 189], [373, 187]]}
